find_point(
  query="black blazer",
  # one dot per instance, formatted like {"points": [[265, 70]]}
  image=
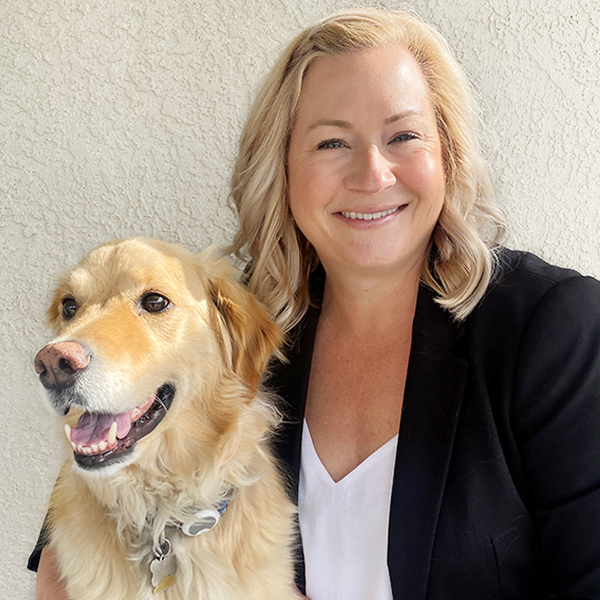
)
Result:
{"points": [[496, 489]]}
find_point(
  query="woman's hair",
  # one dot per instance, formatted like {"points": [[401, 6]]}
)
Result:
{"points": [[461, 253]]}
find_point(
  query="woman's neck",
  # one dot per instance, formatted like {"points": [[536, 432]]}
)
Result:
{"points": [[368, 304]]}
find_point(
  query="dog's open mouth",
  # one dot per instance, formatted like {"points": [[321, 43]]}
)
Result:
{"points": [[99, 439]]}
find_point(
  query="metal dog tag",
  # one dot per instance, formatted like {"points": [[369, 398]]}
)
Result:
{"points": [[163, 568]]}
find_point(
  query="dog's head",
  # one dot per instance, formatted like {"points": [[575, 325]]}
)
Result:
{"points": [[146, 332]]}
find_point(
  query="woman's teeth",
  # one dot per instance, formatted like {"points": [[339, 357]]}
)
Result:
{"points": [[369, 216]]}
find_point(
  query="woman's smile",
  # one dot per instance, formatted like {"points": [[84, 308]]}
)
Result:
{"points": [[367, 216]]}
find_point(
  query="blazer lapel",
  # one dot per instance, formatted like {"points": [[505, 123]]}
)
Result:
{"points": [[290, 382], [432, 399]]}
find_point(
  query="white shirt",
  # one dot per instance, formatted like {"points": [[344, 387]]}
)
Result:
{"points": [[344, 525]]}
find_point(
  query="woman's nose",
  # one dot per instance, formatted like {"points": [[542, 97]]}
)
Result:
{"points": [[371, 171]]}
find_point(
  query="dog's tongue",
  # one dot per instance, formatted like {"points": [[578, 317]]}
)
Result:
{"points": [[93, 428]]}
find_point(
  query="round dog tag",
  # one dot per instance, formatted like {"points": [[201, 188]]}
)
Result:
{"points": [[200, 522]]}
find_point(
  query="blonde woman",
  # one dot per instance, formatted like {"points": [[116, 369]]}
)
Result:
{"points": [[442, 394]]}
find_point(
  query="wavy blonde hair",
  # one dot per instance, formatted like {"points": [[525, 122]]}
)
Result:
{"points": [[461, 252]]}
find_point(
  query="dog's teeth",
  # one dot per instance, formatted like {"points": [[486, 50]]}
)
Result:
{"points": [[74, 446], [112, 434], [94, 448], [102, 445], [79, 448], [68, 431], [140, 409], [87, 450]]}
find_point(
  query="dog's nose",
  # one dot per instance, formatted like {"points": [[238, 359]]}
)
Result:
{"points": [[59, 364]]}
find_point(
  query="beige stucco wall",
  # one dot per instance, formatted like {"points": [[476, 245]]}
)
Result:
{"points": [[120, 117]]}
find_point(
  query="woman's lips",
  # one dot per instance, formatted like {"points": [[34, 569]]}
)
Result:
{"points": [[370, 216]]}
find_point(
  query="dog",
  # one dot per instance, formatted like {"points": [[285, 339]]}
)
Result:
{"points": [[171, 488]]}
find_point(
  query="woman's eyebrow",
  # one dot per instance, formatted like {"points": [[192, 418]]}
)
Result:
{"points": [[347, 125], [401, 115], [330, 123]]}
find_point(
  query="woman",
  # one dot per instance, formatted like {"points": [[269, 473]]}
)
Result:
{"points": [[442, 394], [450, 390]]}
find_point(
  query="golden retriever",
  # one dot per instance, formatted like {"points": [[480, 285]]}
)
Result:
{"points": [[172, 489]]}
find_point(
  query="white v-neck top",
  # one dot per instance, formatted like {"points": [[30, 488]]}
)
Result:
{"points": [[344, 525]]}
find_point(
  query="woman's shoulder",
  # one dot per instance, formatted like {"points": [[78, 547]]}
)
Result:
{"points": [[524, 269], [524, 279], [527, 295]]}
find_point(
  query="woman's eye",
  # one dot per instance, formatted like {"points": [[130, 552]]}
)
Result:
{"points": [[327, 144], [154, 303], [405, 136], [69, 308]]}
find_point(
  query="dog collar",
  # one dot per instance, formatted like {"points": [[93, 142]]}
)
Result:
{"points": [[202, 521], [198, 521]]}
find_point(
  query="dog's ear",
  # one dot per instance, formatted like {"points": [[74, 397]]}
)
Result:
{"points": [[253, 337]]}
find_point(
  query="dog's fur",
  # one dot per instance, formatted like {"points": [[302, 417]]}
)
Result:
{"points": [[212, 344]]}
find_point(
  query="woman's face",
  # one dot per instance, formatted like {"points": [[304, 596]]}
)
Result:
{"points": [[366, 180]]}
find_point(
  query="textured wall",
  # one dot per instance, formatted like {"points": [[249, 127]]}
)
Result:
{"points": [[121, 118]]}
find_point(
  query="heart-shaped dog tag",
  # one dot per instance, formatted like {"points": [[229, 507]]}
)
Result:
{"points": [[163, 572]]}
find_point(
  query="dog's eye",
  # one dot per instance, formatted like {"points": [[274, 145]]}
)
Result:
{"points": [[154, 302], [69, 308]]}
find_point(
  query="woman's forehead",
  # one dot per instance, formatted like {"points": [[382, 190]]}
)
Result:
{"points": [[387, 79]]}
